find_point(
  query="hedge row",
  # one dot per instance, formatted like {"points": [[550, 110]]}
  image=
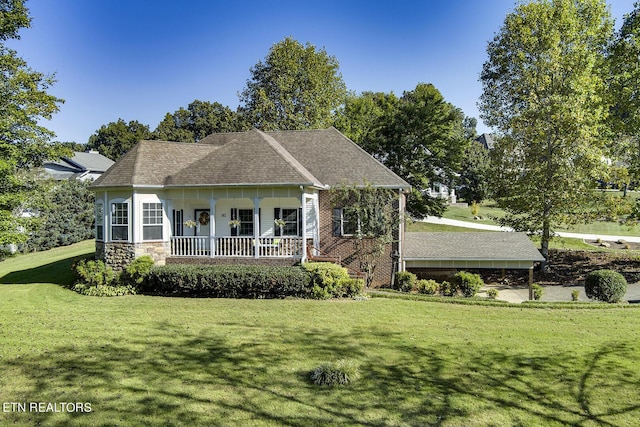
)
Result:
{"points": [[232, 281]]}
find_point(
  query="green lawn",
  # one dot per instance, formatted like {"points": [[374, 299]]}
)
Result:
{"points": [[176, 361], [487, 213]]}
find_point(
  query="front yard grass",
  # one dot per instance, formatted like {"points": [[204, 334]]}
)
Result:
{"points": [[142, 360]]}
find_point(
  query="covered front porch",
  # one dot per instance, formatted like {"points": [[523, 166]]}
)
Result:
{"points": [[242, 223]]}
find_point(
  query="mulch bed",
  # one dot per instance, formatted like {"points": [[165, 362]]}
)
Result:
{"points": [[570, 268]]}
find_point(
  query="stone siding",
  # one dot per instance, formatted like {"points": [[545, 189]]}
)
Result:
{"points": [[118, 255]]}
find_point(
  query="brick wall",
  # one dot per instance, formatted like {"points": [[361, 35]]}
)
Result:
{"points": [[346, 247]]}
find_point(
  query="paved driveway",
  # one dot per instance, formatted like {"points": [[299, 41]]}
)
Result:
{"points": [[557, 293]]}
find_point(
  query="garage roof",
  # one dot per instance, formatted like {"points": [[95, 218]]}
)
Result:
{"points": [[470, 250]]}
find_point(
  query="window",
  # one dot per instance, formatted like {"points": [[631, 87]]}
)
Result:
{"points": [[99, 221], [246, 222], [152, 221], [177, 222], [345, 222], [292, 222], [120, 221]]}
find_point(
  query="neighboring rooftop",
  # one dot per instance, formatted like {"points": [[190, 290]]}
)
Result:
{"points": [[487, 141], [314, 158], [82, 165]]}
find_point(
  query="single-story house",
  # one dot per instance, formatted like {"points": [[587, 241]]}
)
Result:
{"points": [[81, 166], [245, 197]]}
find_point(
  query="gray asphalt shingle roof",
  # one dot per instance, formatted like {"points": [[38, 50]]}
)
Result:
{"points": [[471, 246], [316, 158]]}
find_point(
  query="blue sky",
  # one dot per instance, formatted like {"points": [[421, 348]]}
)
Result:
{"points": [[138, 60]]}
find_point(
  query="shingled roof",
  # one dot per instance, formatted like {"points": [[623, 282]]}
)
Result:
{"points": [[317, 158], [470, 246]]}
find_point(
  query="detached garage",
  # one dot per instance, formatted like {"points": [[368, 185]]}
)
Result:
{"points": [[442, 251]]}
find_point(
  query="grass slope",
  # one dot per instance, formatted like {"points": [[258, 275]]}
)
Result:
{"points": [[173, 361]]}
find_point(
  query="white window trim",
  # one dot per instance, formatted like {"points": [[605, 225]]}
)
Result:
{"points": [[143, 225], [100, 221], [111, 218]]}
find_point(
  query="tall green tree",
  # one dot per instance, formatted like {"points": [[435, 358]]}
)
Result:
{"points": [[423, 141], [65, 214], [624, 90], [116, 138], [360, 117], [199, 119], [24, 143], [295, 87], [543, 91], [474, 173]]}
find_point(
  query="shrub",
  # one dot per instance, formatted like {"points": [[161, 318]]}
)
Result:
{"points": [[136, 272], [605, 285], [448, 289], [468, 283], [575, 295], [537, 291], [329, 280], [227, 281], [335, 373], [98, 279], [94, 273], [429, 287], [492, 293], [405, 281], [104, 290], [350, 287]]}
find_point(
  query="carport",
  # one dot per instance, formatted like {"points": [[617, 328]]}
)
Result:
{"points": [[473, 250]]}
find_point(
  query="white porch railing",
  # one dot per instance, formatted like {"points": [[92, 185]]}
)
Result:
{"points": [[190, 246], [228, 246]]}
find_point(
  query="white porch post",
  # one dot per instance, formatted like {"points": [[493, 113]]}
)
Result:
{"points": [[106, 219], [316, 217], [304, 226], [256, 227], [212, 227], [133, 220]]}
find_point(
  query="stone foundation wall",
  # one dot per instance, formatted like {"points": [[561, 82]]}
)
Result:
{"points": [[159, 251], [118, 255]]}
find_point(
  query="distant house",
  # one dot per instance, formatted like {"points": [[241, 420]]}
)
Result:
{"points": [[81, 166], [247, 197], [487, 141]]}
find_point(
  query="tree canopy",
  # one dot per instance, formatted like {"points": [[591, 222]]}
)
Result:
{"points": [[422, 140], [24, 143], [199, 119], [295, 87], [116, 138], [543, 90]]}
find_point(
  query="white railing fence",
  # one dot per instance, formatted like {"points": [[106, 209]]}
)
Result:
{"points": [[228, 246]]}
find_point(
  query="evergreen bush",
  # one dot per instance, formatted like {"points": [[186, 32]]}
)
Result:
{"points": [[428, 287], [227, 281], [605, 285], [336, 373], [136, 272], [468, 283], [405, 281]]}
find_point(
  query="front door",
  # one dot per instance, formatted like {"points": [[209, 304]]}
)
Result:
{"points": [[203, 224]]}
